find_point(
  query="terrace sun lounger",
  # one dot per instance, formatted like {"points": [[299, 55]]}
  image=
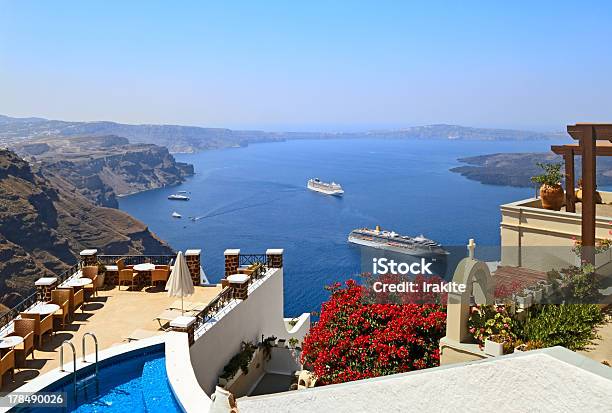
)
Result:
{"points": [[168, 315], [188, 306]]}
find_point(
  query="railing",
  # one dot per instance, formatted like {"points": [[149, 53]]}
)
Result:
{"points": [[226, 295], [215, 305], [11, 314], [7, 317], [136, 259], [250, 259]]}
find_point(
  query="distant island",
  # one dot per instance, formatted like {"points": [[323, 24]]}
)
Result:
{"points": [[187, 139], [516, 169]]}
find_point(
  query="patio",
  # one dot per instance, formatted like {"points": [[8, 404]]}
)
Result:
{"points": [[112, 316]]}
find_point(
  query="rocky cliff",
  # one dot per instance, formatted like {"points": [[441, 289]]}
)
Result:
{"points": [[104, 167], [45, 221]]}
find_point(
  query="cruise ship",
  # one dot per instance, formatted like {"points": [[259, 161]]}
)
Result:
{"points": [[178, 197], [325, 188], [388, 240]]}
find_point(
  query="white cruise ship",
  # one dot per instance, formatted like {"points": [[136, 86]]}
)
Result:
{"points": [[389, 240], [325, 188]]}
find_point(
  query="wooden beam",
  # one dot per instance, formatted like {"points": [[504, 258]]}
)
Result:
{"points": [[600, 131], [599, 151], [587, 143], [570, 192]]}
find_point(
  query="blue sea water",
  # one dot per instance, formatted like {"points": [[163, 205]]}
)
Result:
{"points": [[255, 198]]}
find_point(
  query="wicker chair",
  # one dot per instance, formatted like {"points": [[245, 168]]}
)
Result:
{"points": [[76, 298], [24, 327], [61, 297], [41, 325], [91, 272], [7, 363], [127, 275], [159, 275]]}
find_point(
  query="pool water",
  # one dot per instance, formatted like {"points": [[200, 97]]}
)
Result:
{"points": [[135, 384]]}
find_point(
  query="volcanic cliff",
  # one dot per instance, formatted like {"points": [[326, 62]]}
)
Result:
{"points": [[45, 221]]}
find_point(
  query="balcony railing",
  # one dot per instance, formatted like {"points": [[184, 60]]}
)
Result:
{"points": [[227, 294], [137, 259], [7, 317], [250, 259]]}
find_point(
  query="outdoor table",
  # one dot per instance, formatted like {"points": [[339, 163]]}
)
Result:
{"points": [[43, 309], [144, 271], [77, 282], [10, 341]]}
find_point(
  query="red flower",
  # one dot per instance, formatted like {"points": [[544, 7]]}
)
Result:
{"points": [[354, 340]]}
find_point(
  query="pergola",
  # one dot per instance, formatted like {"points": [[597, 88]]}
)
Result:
{"points": [[587, 135]]}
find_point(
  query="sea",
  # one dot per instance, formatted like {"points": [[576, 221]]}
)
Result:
{"points": [[255, 197]]}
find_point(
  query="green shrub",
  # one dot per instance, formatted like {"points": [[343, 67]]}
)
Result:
{"points": [[239, 361], [571, 325]]}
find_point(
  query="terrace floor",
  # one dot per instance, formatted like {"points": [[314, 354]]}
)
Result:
{"points": [[111, 316]]}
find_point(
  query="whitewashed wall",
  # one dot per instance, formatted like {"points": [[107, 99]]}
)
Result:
{"points": [[261, 314]]}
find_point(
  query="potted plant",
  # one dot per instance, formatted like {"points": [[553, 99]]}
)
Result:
{"points": [[293, 342], [523, 299], [494, 345], [551, 191], [101, 275]]}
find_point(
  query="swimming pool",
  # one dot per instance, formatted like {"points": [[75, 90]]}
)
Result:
{"points": [[131, 382]]}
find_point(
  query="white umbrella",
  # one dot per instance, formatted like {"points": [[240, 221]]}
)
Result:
{"points": [[179, 284]]}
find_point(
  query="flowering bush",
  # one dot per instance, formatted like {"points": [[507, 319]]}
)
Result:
{"points": [[492, 322], [353, 340]]}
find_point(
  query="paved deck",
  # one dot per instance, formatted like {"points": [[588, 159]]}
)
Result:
{"points": [[112, 316], [601, 349], [272, 383]]}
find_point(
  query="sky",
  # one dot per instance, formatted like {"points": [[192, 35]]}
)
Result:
{"points": [[309, 65]]}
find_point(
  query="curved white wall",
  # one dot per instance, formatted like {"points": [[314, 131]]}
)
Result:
{"points": [[260, 314]]}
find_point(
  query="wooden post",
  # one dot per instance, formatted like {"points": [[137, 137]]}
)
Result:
{"points": [[587, 142], [570, 192]]}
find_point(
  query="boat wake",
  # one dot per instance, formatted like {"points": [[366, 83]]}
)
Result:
{"points": [[241, 205]]}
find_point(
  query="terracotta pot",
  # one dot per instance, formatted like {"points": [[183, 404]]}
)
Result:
{"points": [[552, 197]]}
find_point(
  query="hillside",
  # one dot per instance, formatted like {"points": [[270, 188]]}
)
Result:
{"points": [[193, 138], [516, 169], [45, 222], [105, 167]]}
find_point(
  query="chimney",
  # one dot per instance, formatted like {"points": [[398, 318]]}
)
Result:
{"points": [[232, 261], [193, 258], [274, 258]]}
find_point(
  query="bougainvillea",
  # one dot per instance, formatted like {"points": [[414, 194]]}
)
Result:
{"points": [[353, 340]]}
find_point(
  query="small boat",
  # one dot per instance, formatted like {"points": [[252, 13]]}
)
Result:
{"points": [[176, 215], [178, 197]]}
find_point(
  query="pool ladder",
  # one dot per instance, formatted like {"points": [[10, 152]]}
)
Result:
{"points": [[74, 369]]}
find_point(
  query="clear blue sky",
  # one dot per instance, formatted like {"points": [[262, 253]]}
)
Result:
{"points": [[301, 65]]}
